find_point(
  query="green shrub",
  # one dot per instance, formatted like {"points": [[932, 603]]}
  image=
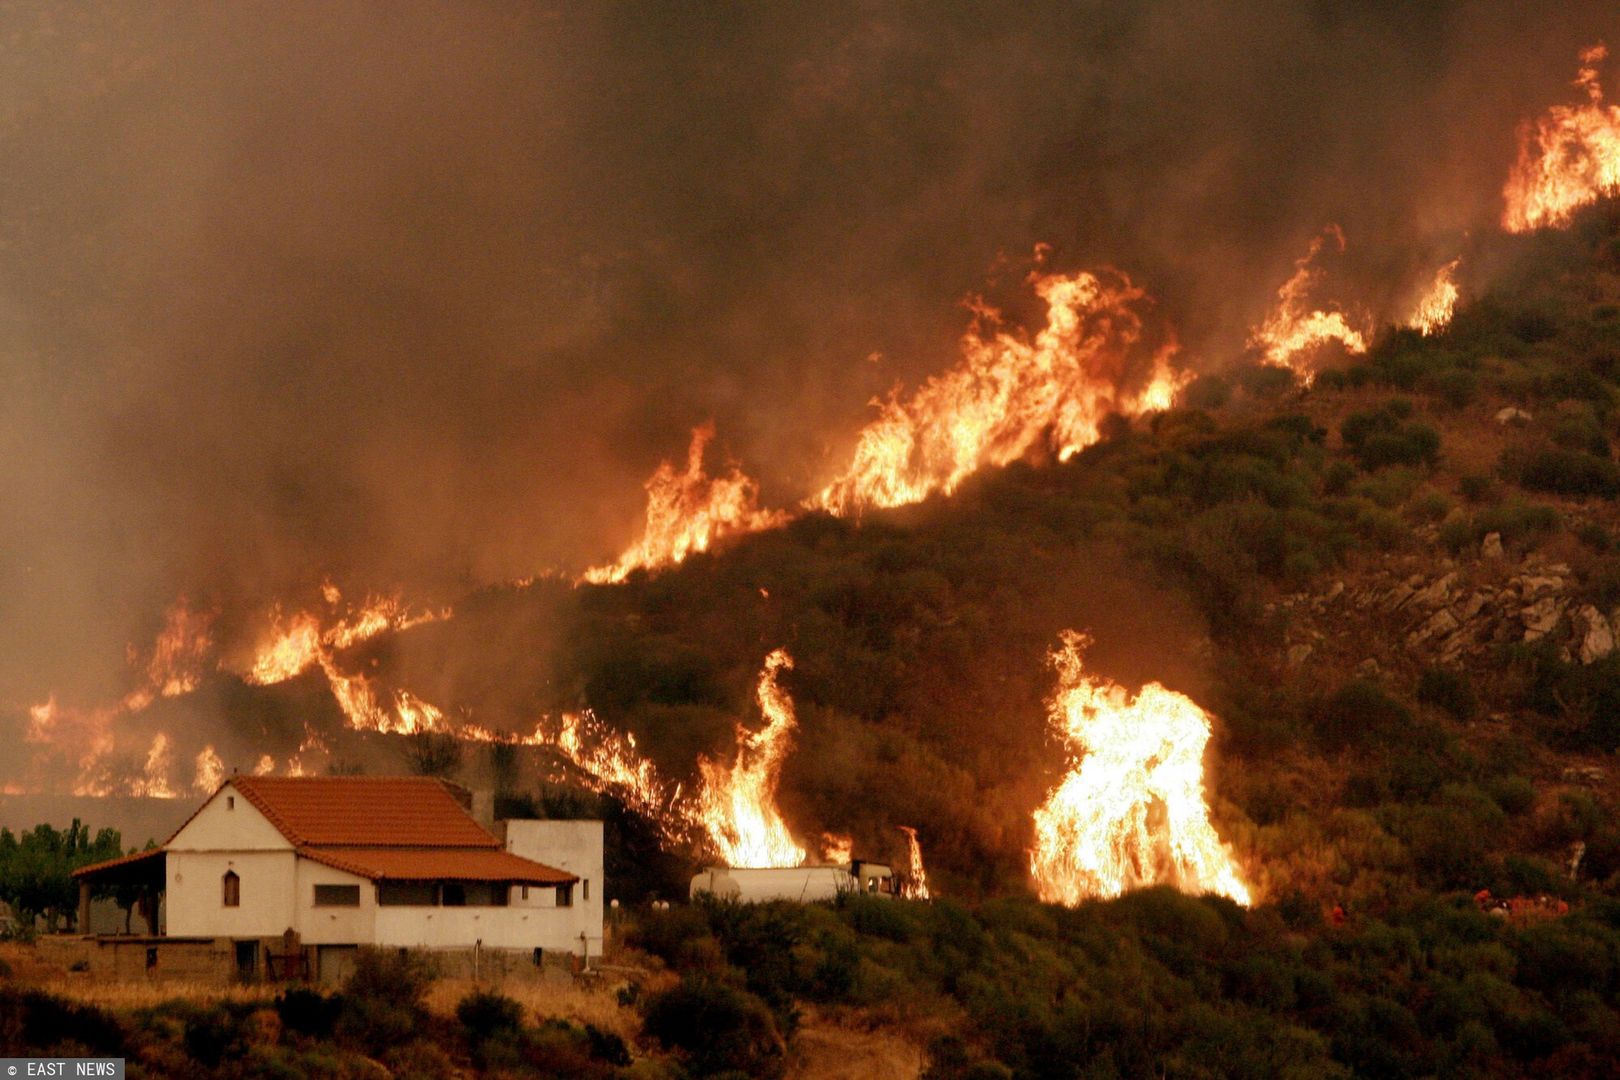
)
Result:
{"points": [[1448, 690], [1562, 472], [717, 1028], [1360, 713], [485, 1014], [1384, 436], [308, 1012]]}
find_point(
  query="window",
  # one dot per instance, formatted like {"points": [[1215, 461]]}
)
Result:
{"points": [[230, 802], [585, 889], [525, 892], [565, 895], [231, 889], [337, 896], [407, 894]]}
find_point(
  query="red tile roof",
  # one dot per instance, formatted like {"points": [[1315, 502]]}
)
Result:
{"points": [[365, 811], [438, 864]]}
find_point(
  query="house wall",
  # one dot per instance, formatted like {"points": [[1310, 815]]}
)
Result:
{"points": [[517, 928], [195, 901], [574, 846], [333, 925], [220, 826]]}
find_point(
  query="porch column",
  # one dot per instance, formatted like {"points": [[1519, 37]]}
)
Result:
{"points": [[84, 906], [149, 908]]}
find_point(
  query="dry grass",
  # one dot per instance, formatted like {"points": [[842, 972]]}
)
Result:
{"points": [[146, 993], [542, 999], [829, 1048]]}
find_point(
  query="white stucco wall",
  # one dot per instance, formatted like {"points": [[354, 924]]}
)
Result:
{"points": [[574, 846], [228, 822], [333, 925], [195, 899]]}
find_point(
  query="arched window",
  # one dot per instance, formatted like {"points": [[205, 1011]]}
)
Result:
{"points": [[231, 889]]}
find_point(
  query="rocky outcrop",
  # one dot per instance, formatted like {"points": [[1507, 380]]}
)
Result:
{"points": [[1451, 617]]}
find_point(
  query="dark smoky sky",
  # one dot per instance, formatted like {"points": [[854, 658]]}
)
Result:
{"points": [[418, 293]]}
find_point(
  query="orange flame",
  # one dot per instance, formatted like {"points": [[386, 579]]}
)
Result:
{"points": [[176, 664], [1567, 159], [210, 771], [689, 512], [1294, 331], [154, 781], [1435, 308], [1008, 395], [737, 803], [915, 886], [1131, 811]]}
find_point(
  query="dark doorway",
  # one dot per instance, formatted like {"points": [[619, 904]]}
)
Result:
{"points": [[247, 960]]}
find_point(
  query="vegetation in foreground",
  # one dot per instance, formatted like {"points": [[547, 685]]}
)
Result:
{"points": [[1155, 983]]}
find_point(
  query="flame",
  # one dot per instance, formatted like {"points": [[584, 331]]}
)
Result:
{"points": [[178, 655], [688, 512], [210, 771], [154, 782], [737, 803], [294, 648], [265, 766], [1131, 811], [1568, 158], [1434, 310], [837, 850], [915, 886], [1008, 395], [1294, 330]]}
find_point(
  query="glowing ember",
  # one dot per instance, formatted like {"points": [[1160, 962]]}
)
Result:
{"points": [[1294, 331], [1008, 396], [1434, 310], [688, 512], [210, 772], [1131, 811], [738, 802], [915, 886], [1567, 159]]}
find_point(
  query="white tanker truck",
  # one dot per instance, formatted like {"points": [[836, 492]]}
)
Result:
{"points": [[801, 884]]}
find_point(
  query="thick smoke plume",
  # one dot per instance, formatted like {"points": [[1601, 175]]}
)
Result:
{"points": [[416, 294]]}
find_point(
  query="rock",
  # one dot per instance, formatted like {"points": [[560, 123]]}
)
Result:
{"points": [[1298, 654], [1585, 774], [1491, 546], [1593, 633], [1439, 624], [1535, 586], [1473, 606], [1333, 592], [1437, 593], [1541, 618], [1368, 668], [1510, 415]]}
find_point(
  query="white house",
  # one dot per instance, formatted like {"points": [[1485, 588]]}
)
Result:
{"points": [[301, 871]]}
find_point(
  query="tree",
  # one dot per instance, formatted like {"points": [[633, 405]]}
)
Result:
{"points": [[36, 869], [429, 753]]}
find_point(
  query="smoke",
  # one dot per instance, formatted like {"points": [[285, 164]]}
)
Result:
{"points": [[417, 293]]}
